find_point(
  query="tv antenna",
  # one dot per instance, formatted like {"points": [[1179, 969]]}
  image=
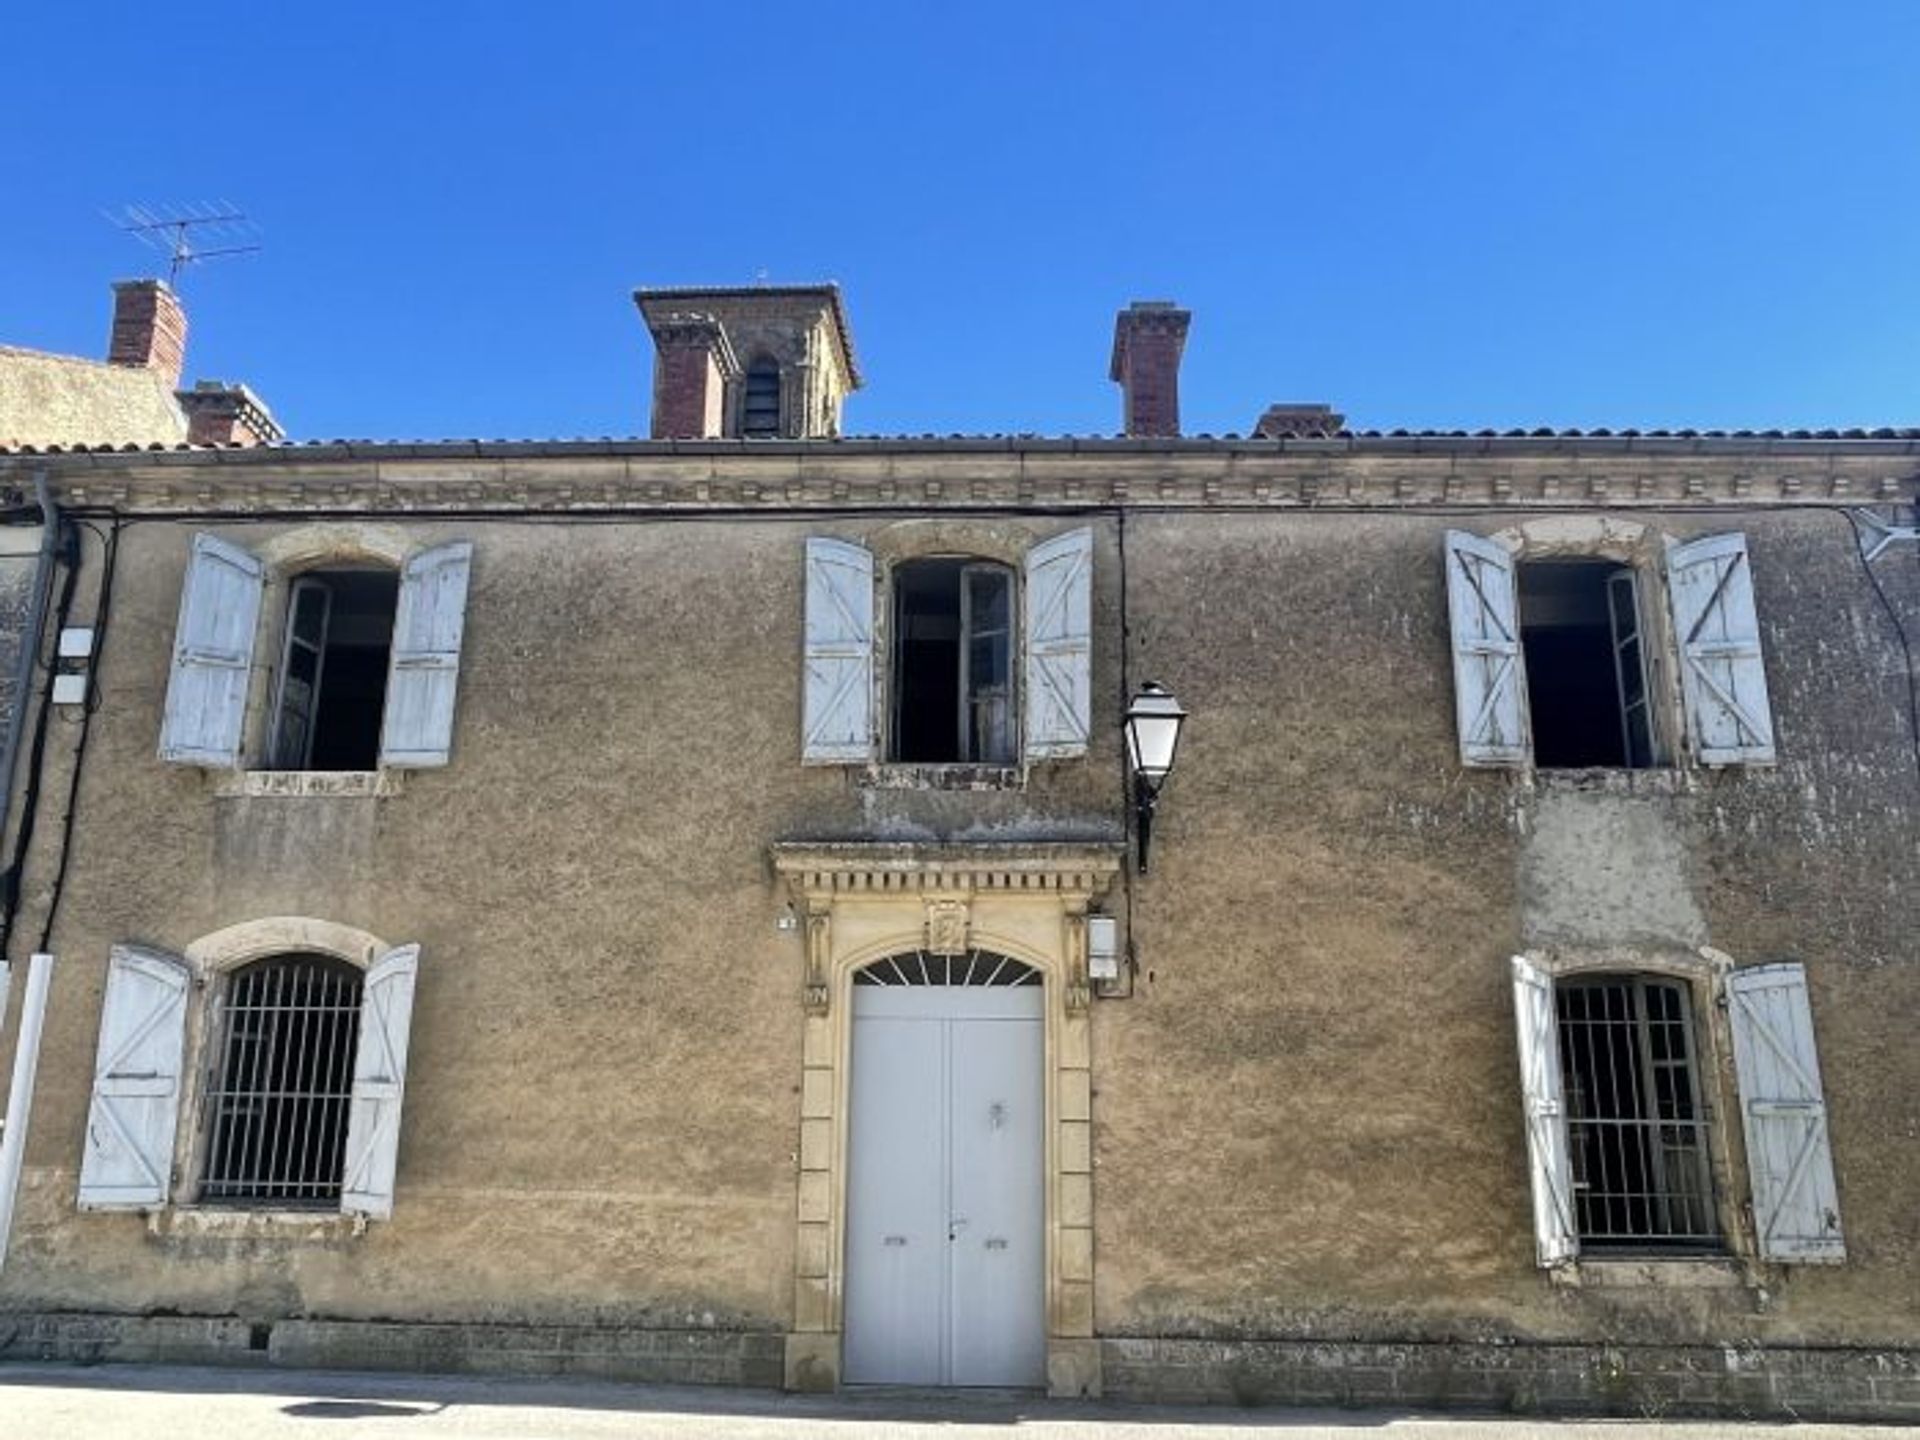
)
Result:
{"points": [[190, 234]]}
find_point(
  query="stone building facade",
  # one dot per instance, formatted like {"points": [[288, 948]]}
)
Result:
{"points": [[631, 830]]}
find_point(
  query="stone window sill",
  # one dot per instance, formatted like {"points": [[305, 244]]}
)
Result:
{"points": [[304, 784], [1660, 782], [1642, 1272], [942, 777], [209, 1222]]}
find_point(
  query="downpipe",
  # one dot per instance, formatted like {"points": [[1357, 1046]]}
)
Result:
{"points": [[31, 642]]}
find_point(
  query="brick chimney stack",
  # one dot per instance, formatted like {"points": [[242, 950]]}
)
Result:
{"points": [[227, 415], [1148, 338], [693, 364], [149, 329]]}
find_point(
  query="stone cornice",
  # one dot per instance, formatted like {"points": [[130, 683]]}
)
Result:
{"points": [[1338, 473], [840, 869]]}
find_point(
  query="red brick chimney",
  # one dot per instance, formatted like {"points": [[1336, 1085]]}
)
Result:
{"points": [[1148, 338], [693, 364], [149, 329], [227, 415]]}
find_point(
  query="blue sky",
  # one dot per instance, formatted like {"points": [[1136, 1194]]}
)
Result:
{"points": [[1427, 215]]}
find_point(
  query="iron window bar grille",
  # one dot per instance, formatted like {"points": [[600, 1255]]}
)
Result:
{"points": [[278, 1117], [974, 967], [1636, 1130]]}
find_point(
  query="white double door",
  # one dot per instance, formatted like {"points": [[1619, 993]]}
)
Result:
{"points": [[946, 1202]]}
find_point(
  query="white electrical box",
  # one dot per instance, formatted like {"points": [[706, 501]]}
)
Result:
{"points": [[69, 689], [1103, 948], [76, 642]]}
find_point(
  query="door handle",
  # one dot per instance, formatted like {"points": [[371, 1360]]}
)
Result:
{"points": [[955, 1226]]}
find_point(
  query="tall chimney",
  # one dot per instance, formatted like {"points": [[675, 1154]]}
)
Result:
{"points": [[149, 329], [693, 363], [227, 415], [1148, 338]]}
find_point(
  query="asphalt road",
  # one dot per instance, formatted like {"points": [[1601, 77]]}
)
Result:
{"points": [[113, 1402]]}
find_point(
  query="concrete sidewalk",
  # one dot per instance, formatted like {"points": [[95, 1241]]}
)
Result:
{"points": [[119, 1402]]}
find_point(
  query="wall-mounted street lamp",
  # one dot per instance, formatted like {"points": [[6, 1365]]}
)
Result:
{"points": [[1153, 720]]}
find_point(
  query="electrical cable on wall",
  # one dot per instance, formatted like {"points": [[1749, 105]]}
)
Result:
{"points": [[103, 610], [1899, 628]]}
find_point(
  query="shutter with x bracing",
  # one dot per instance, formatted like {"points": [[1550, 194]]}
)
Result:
{"points": [[1722, 674], [379, 1084], [837, 707], [1542, 1092], [127, 1162], [1796, 1207], [1488, 679], [424, 674], [212, 655], [1059, 645]]}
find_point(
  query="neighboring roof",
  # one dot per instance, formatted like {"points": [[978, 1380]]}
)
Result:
{"points": [[65, 400], [649, 298]]}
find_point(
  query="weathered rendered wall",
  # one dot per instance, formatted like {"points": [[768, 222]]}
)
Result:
{"points": [[1307, 1121], [1332, 902]]}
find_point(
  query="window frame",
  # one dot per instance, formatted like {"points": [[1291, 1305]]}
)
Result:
{"points": [[220, 1007], [1651, 633], [847, 646], [212, 960], [888, 642], [433, 587], [1704, 974], [1637, 983], [1641, 550]]}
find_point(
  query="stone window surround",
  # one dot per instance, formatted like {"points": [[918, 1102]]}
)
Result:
{"points": [[861, 902], [286, 556], [1641, 548], [1003, 541], [211, 959], [1704, 970]]}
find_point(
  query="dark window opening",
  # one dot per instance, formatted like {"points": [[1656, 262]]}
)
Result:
{"points": [[278, 1114], [760, 402], [1586, 666], [953, 663], [332, 687], [1636, 1134]]}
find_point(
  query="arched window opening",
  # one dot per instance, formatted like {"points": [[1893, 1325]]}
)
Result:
{"points": [[277, 1116], [1636, 1129], [760, 403], [978, 968], [1587, 689], [332, 686], [952, 662]]}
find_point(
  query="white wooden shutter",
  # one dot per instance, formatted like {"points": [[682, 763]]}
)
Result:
{"points": [[1722, 675], [425, 670], [1059, 645], [127, 1162], [379, 1083], [1488, 678], [212, 655], [837, 715], [1796, 1208], [1538, 1028]]}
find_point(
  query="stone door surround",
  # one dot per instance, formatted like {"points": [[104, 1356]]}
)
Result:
{"points": [[862, 901]]}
